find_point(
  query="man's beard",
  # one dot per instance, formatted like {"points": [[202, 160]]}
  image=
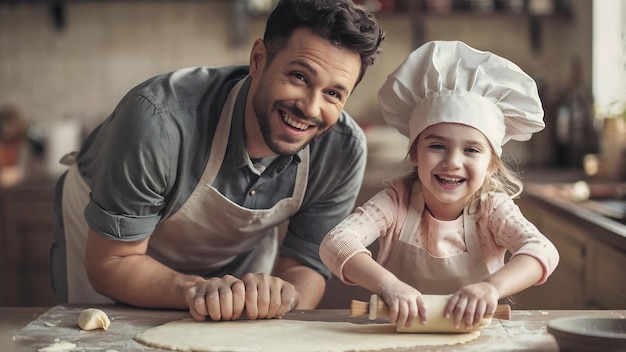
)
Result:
{"points": [[273, 144], [263, 119]]}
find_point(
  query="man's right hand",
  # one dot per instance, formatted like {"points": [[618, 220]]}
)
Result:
{"points": [[261, 296]]}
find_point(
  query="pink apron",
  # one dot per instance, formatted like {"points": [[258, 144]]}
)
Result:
{"points": [[436, 275], [208, 233]]}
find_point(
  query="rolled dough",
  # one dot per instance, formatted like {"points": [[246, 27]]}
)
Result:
{"points": [[287, 335]]}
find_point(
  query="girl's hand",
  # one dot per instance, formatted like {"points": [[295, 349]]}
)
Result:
{"points": [[471, 303], [405, 303]]}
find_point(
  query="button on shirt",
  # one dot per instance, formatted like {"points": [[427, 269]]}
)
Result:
{"points": [[253, 189]]}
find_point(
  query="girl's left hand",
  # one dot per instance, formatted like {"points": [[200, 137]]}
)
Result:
{"points": [[471, 303]]}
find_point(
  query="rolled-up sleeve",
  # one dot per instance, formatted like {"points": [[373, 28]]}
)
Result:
{"points": [[129, 178]]}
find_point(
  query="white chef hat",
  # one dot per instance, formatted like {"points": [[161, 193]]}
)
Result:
{"points": [[449, 81]]}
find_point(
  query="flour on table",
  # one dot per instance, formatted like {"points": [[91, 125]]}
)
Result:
{"points": [[58, 347], [290, 335]]}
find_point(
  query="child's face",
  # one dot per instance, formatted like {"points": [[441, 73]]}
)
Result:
{"points": [[452, 163]]}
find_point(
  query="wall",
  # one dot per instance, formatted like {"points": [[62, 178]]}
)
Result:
{"points": [[106, 48]]}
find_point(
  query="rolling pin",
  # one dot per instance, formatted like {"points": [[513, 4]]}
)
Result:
{"points": [[436, 322]]}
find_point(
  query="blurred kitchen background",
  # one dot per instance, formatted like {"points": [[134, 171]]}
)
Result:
{"points": [[64, 65]]}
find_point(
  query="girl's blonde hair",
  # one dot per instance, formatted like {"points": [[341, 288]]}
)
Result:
{"points": [[501, 178]]}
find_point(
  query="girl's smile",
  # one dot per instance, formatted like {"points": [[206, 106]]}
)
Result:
{"points": [[452, 162]]}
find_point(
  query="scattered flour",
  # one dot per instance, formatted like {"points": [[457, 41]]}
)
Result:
{"points": [[58, 347]]}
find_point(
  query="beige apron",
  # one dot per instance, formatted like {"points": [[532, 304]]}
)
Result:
{"points": [[436, 275], [209, 234]]}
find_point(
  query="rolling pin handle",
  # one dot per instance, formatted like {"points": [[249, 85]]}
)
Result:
{"points": [[503, 311]]}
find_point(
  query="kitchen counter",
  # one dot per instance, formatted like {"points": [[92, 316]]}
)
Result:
{"points": [[551, 188], [592, 246], [603, 228], [29, 329]]}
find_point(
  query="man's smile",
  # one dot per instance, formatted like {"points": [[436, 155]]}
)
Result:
{"points": [[293, 123]]}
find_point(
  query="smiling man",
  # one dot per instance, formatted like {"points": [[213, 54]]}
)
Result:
{"points": [[174, 201]]}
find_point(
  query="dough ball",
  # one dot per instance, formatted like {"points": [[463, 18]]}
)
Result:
{"points": [[92, 319]]}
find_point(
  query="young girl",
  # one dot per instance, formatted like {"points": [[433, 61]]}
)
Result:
{"points": [[445, 228]]}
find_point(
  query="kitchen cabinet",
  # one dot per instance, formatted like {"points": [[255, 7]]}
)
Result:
{"points": [[607, 287], [590, 272], [26, 221], [566, 287]]}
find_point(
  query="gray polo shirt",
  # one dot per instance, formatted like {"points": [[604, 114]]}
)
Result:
{"points": [[146, 158]]}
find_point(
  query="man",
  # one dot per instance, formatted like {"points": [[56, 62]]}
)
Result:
{"points": [[174, 201]]}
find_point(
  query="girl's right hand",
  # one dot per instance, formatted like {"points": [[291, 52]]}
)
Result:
{"points": [[405, 303]]}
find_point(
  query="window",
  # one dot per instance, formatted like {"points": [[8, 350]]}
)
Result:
{"points": [[609, 57]]}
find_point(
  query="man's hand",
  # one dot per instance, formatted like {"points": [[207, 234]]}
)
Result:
{"points": [[261, 296], [219, 298], [268, 296]]}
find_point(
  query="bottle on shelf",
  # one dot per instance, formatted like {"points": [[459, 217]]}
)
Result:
{"points": [[575, 132]]}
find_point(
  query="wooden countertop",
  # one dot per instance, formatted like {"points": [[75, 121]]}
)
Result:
{"points": [[29, 329]]}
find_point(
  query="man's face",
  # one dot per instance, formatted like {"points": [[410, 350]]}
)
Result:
{"points": [[301, 92]]}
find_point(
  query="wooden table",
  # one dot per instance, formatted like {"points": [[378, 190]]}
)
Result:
{"points": [[29, 329]]}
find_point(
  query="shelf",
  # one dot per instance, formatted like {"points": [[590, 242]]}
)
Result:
{"points": [[417, 10]]}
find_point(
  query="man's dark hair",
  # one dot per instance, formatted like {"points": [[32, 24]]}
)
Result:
{"points": [[342, 22]]}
